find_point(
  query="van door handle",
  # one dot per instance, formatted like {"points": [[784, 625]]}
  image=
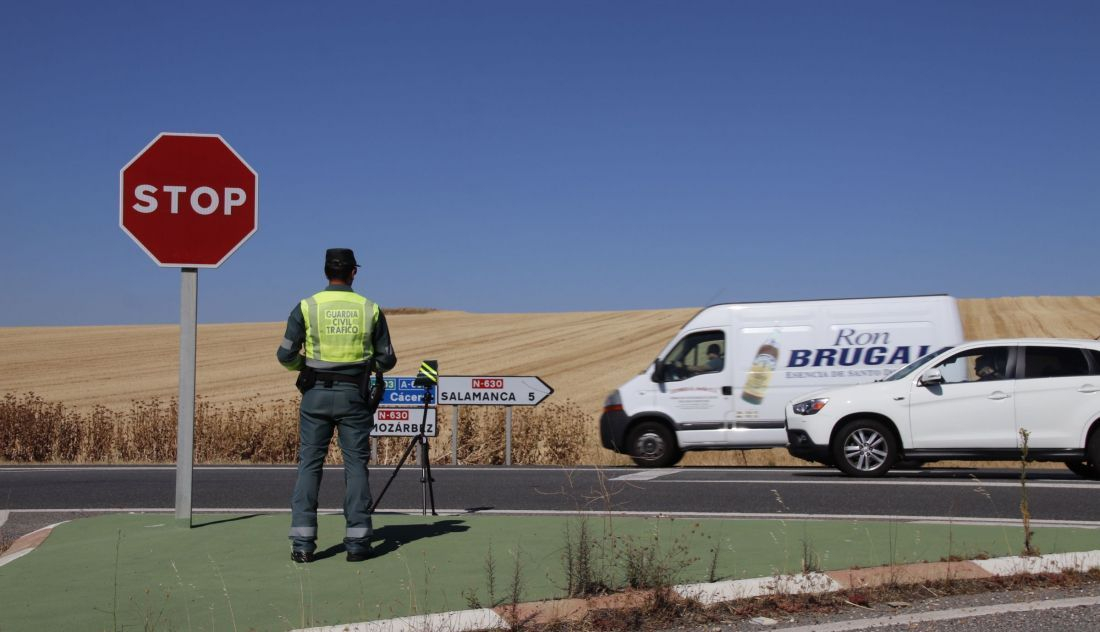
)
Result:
{"points": [[1088, 388], [727, 390], [998, 395]]}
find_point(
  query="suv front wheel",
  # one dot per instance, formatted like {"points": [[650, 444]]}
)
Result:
{"points": [[865, 447]]}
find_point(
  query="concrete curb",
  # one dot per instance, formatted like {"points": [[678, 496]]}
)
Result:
{"points": [[27, 543], [482, 619], [717, 592]]}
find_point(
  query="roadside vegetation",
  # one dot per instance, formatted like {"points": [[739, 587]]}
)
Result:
{"points": [[34, 430], [662, 609]]}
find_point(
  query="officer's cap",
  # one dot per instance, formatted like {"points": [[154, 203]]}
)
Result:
{"points": [[340, 258]]}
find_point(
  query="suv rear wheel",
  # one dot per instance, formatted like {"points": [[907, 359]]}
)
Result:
{"points": [[1083, 469], [1089, 468], [865, 447], [653, 445]]}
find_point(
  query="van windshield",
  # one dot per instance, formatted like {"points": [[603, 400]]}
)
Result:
{"points": [[912, 366]]}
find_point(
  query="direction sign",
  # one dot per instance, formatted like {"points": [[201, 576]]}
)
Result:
{"points": [[391, 421], [493, 390], [400, 391], [188, 200]]}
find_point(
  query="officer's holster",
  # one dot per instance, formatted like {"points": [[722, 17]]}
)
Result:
{"points": [[307, 378]]}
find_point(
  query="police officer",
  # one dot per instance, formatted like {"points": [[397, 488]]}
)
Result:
{"points": [[334, 338]]}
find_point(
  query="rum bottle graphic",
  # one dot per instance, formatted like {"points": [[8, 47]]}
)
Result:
{"points": [[760, 373]]}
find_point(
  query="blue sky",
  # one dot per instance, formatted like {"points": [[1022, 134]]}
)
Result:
{"points": [[548, 156]]}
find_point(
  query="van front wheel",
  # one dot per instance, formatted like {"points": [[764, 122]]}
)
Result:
{"points": [[652, 445], [865, 447]]}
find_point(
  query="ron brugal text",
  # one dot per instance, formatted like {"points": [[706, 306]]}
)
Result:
{"points": [[342, 321], [851, 349]]}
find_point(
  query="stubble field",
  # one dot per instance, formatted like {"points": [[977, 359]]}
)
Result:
{"points": [[583, 355]]}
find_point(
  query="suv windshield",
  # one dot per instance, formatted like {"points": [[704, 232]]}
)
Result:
{"points": [[912, 366]]}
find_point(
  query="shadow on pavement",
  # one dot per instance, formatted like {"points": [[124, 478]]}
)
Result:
{"points": [[224, 520], [389, 539]]}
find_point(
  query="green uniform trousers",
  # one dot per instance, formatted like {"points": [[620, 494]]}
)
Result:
{"points": [[337, 407]]}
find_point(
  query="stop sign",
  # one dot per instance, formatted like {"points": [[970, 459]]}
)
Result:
{"points": [[188, 200]]}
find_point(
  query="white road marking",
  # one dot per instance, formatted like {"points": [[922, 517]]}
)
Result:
{"points": [[645, 475], [487, 469], [945, 615], [887, 481], [952, 520]]}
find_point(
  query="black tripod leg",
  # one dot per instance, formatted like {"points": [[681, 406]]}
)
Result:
{"points": [[428, 475], [408, 450], [423, 478]]}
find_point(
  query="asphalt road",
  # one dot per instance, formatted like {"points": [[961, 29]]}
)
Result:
{"points": [[38, 495]]}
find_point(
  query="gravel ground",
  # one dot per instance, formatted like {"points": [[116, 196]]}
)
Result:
{"points": [[1072, 618], [20, 524]]}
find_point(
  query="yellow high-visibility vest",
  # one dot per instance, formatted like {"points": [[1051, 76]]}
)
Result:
{"points": [[338, 329]]}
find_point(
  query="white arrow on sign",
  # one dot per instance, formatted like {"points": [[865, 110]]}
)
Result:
{"points": [[492, 390]]}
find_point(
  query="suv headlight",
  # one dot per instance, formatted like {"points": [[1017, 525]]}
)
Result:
{"points": [[810, 406]]}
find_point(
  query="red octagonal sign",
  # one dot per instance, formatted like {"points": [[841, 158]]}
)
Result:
{"points": [[188, 200]]}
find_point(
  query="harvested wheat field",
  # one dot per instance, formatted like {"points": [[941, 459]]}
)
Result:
{"points": [[583, 355]]}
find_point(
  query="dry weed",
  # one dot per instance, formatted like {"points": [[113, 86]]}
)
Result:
{"points": [[33, 430]]}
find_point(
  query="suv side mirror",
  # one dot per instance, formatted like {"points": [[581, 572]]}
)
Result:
{"points": [[931, 376], [658, 371]]}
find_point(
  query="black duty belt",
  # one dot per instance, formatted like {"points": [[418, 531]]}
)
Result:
{"points": [[328, 378]]}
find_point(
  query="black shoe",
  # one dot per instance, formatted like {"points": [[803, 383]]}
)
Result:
{"points": [[358, 556], [302, 557]]}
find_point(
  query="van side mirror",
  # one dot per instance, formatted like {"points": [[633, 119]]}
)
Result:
{"points": [[658, 371], [931, 376]]}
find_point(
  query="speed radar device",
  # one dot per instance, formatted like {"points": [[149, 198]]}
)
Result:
{"points": [[426, 378]]}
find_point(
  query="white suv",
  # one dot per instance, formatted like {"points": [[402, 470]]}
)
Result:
{"points": [[967, 402]]}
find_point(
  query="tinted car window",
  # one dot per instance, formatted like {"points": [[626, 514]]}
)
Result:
{"points": [[1095, 361], [1054, 362]]}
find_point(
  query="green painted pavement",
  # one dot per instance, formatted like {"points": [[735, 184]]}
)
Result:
{"points": [[119, 572]]}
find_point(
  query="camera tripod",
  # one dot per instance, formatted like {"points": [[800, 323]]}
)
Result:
{"points": [[425, 463]]}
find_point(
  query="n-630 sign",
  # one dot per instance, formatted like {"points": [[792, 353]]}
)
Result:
{"points": [[403, 422]]}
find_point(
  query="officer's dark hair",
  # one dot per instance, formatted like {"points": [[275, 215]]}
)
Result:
{"points": [[338, 273]]}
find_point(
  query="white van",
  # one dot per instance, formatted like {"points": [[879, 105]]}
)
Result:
{"points": [[724, 379]]}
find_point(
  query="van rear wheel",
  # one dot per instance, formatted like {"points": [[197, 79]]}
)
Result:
{"points": [[652, 445], [865, 447]]}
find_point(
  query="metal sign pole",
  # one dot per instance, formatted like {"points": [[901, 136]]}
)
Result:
{"points": [[185, 431], [454, 435], [507, 435]]}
